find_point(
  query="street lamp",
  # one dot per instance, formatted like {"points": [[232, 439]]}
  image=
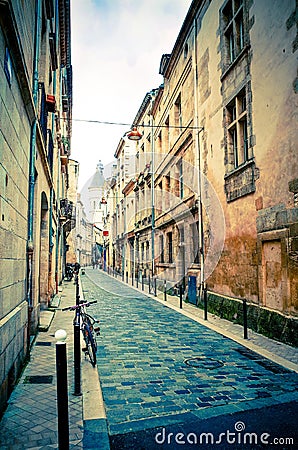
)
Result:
{"points": [[134, 135]]}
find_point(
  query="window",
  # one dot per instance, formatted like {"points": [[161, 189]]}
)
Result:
{"points": [[180, 168], [195, 242], [43, 111], [142, 251], [168, 182], [178, 112], [8, 66], [233, 28], [161, 249], [237, 136], [159, 142], [170, 246], [185, 50], [167, 135]]}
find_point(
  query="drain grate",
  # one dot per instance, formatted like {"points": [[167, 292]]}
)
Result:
{"points": [[38, 379], [264, 362], [44, 344], [205, 363]]}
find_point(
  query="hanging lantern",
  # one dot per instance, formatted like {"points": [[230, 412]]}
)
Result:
{"points": [[134, 135]]}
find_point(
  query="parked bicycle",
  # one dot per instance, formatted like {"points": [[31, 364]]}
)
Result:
{"points": [[87, 327], [69, 272]]}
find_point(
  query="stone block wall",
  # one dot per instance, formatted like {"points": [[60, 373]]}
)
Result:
{"points": [[265, 321]]}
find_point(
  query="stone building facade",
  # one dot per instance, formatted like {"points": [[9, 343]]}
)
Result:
{"points": [[84, 240], [219, 146], [35, 134], [121, 208]]}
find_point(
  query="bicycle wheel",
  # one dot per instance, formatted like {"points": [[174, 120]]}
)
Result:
{"points": [[90, 345], [91, 329]]}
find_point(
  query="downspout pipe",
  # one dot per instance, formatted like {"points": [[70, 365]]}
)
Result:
{"points": [[152, 190], [51, 245], [30, 238], [197, 131]]}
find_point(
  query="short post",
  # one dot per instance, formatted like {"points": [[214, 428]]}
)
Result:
{"points": [[126, 277], [77, 354], [132, 275], [62, 395], [77, 289], [149, 284], [137, 280], [165, 290], [245, 319], [180, 295], [205, 302], [77, 343], [155, 287], [142, 281]]}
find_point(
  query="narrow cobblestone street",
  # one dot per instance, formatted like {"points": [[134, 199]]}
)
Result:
{"points": [[160, 369]]}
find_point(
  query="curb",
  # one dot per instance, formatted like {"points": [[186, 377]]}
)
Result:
{"points": [[94, 415], [45, 320]]}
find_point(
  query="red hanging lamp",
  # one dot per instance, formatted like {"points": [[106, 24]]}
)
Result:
{"points": [[134, 135]]}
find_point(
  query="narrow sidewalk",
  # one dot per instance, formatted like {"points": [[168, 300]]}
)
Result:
{"points": [[30, 420]]}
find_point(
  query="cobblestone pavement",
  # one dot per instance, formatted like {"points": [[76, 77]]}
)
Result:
{"points": [[162, 370], [158, 367]]}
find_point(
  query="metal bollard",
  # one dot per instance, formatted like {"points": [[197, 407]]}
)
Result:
{"points": [[62, 394], [155, 287], [137, 281], [77, 289], [77, 354], [205, 303], [132, 275], [149, 284], [126, 277], [142, 282], [180, 295], [245, 335], [165, 291], [77, 344]]}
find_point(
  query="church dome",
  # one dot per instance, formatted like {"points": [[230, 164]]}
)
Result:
{"points": [[97, 181]]}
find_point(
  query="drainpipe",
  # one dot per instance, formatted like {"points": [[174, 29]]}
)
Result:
{"points": [[51, 197], [30, 238], [197, 131], [152, 190], [58, 231], [58, 171]]}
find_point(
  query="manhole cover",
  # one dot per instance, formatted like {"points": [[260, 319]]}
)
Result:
{"points": [[38, 379], [205, 363]]}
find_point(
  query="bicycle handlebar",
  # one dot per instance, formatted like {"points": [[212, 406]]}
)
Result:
{"points": [[72, 308]]}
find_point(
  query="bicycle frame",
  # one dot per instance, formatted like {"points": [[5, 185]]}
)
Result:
{"points": [[86, 323]]}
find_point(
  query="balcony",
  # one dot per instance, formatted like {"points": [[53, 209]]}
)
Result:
{"points": [[66, 209]]}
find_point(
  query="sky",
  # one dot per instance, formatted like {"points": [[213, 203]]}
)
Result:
{"points": [[116, 50]]}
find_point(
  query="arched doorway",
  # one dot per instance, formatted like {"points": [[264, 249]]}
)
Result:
{"points": [[44, 252]]}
